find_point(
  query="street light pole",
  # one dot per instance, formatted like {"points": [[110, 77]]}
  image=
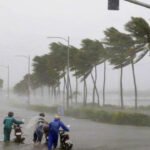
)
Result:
{"points": [[29, 94], [8, 82], [68, 64], [28, 77], [8, 78]]}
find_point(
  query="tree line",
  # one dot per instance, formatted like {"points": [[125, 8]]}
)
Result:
{"points": [[120, 49]]}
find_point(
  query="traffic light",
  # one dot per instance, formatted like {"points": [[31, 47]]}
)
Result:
{"points": [[113, 4]]}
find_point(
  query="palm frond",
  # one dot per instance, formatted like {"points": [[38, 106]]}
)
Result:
{"points": [[141, 56]]}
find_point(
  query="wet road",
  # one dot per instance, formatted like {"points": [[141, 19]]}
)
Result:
{"points": [[86, 135]]}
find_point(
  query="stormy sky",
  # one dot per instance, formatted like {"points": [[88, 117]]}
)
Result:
{"points": [[25, 25]]}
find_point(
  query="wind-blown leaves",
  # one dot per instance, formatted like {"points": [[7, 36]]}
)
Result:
{"points": [[139, 29]]}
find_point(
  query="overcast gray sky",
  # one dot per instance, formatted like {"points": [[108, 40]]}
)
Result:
{"points": [[25, 24]]}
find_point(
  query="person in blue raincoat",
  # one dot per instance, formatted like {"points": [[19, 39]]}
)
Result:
{"points": [[54, 131], [8, 122]]}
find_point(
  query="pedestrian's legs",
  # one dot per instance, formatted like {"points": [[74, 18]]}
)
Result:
{"points": [[50, 142], [7, 132], [34, 137], [46, 138], [39, 136], [55, 141]]}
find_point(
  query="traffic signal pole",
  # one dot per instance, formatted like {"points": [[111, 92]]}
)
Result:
{"points": [[114, 4], [139, 3]]}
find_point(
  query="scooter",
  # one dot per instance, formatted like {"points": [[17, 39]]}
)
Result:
{"points": [[65, 142], [46, 131], [18, 134]]}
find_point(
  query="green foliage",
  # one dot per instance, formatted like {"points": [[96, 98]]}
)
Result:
{"points": [[21, 88], [119, 117], [42, 108], [91, 54], [119, 47], [111, 115], [139, 29]]}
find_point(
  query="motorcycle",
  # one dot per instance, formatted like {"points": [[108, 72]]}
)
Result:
{"points": [[46, 131], [65, 142], [18, 134]]}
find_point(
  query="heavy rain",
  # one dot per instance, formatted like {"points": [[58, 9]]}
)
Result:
{"points": [[74, 72]]}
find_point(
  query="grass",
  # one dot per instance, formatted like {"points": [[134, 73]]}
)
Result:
{"points": [[109, 114]]}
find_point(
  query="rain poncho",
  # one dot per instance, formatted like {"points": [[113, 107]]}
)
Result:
{"points": [[8, 122], [54, 131]]}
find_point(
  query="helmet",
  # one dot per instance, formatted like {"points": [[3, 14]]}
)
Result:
{"points": [[57, 116], [42, 114], [10, 114]]}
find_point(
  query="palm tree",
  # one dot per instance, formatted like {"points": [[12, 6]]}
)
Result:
{"points": [[73, 62], [82, 71], [21, 88], [93, 50], [46, 72], [118, 45], [139, 29], [58, 59]]}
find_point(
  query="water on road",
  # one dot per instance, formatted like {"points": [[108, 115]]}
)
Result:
{"points": [[85, 134]]}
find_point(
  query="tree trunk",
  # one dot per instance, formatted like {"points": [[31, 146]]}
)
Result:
{"points": [[64, 90], [135, 86], [55, 94], [95, 90], [93, 97], [98, 101], [42, 91], [121, 87], [49, 91], [70, 90], [34, 92], [84, 93], [76, 92], [104, 83], [59, 93]]}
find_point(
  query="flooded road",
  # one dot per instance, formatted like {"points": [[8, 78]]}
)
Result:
{"points": [[85, 134]]}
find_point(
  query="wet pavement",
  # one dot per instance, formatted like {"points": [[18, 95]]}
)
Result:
{"points": [[85, 134]]}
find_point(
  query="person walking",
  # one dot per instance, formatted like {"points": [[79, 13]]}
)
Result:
{"points": [[38, 133], [54, 131], [8, 123]]}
